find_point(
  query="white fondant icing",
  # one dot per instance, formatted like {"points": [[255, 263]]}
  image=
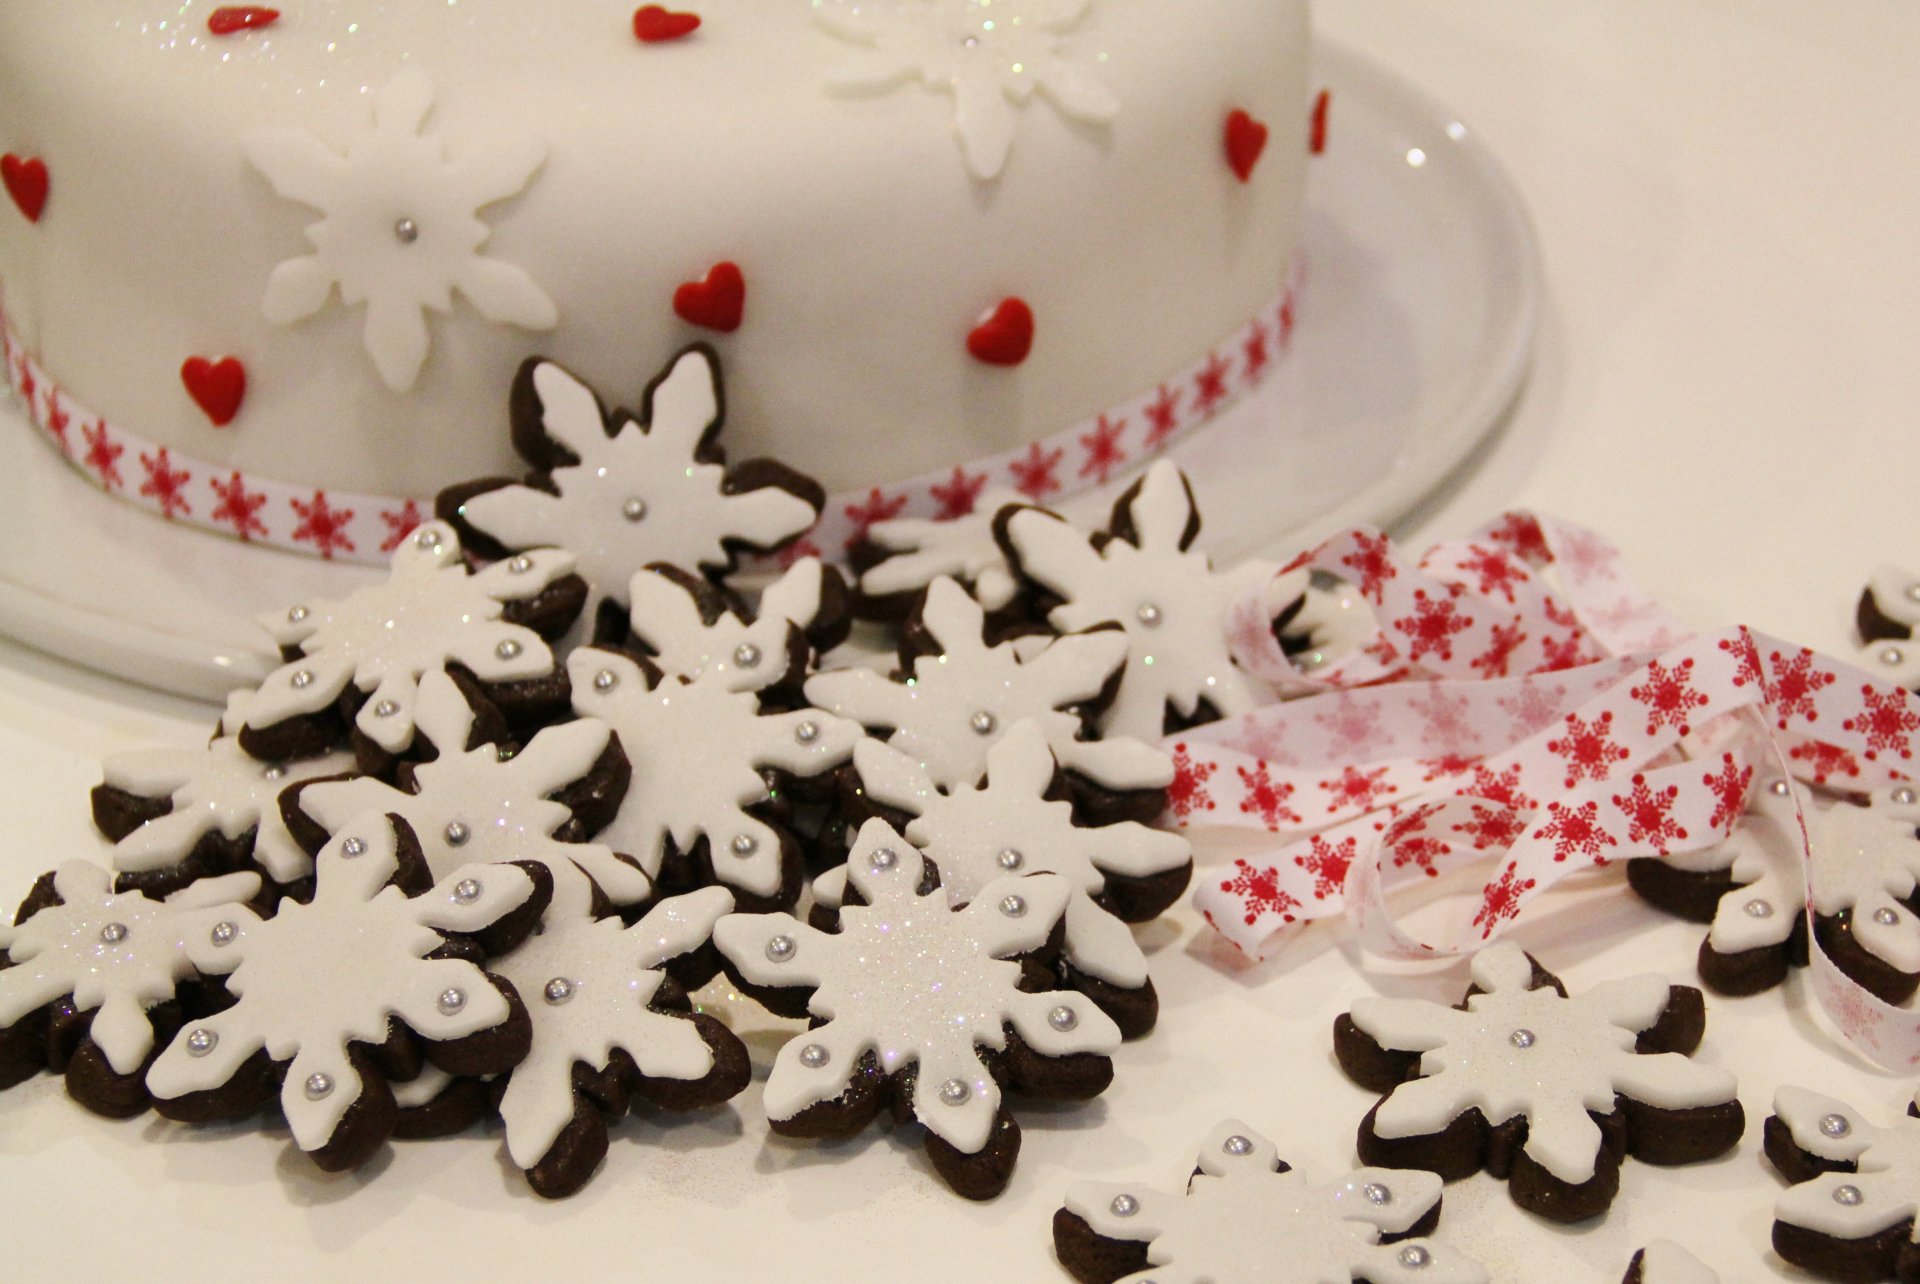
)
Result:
{"points": [[1887, 1160], [1241, 1222], [1763, 855], [1580, 1057], [1897, 594], [1166, 597], [962, 548], [1665, 1262], [667, 619], [1867, 861], [316, 977], [933, 714], [686, 514], [65, 949], [915, 982], [612, 973]]}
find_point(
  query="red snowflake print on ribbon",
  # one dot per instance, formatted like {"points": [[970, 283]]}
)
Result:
{"points": [[1885, 722], [1328, 864], [1576, 831], [1188, 793], [1163, 414], [102, 453], [1650, 815], [1432, 626], [1826, 761], [794, 552], [1260, 893], [1033, 476], [1445, 716], [238, 507], [1563, 653], [1669, 696], [958, 494], [1523, 535], [1286, 320], [1747, 656], [1584, 555], [1353, 727], [1503, 788], [1492, 828], [1493, 572], [399, 524], [1266, 798], [25, 383], [876, 507], [1256, 353], [1372, 560], [1588, 748], [1357, 789], [1502, 641], [1848, 1006], [322, 525], [57, 420], [1795, 684], [1447, 764], [164, 484], [1730, 786], [1210, 385], [1407, 838], [1502, 901], [1103, 449], [1533, 708]]}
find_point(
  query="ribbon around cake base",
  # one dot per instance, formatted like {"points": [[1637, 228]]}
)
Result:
{"points": [[1496, 718]]}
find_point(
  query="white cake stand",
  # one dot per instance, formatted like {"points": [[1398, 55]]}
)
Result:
{"points": [[1417, 321]]}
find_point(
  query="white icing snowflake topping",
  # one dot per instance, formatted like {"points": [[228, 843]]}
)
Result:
{"points": [[1245, 1211], [1163, 593], [699, 749], [1895, 594], [471, 805], [955, 705], [1518, 1052], [1868, 862], [317, 977], [1665, 1262], [752, 656], [587, 984], [1884, 1189], [398, 228], [991, 55], [644, 492], [384, 638], [975, 836], [218, 788], [915, 982], [960, 547], [117, 955]]}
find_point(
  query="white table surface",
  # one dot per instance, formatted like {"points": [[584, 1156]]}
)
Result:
{"points": [[1727, 383]]}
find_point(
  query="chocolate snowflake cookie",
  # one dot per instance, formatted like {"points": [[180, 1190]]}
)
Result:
{"points": [[1888, 616], [1850, 1214]]}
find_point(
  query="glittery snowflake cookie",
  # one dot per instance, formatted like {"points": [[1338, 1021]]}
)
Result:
{"points": [[1248, 1217], [610, 1028], [955, 695], [712, 770], [686, 626], [1547, 1092], [335, 997], [1019, 823], [179, 814], [1665, 1262], [1888, 618], [359, 660], [92, 979], [900, 558], [478, 800], [923, 1008], [1144, 575], [1850, 1214], [621, 493]]}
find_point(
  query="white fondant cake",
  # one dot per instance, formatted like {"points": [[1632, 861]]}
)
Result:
{"points": [[309, 250]]}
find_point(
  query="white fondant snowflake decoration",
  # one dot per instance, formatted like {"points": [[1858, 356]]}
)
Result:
{"points": [[384, 638], [644, 492], [473, 805], [699, 748], [1521, 1052], [955, 705], [1868, 863], [1895, 594], [1885, 1183], [1165, 594], [962, 548], [991, 55], [1009, 826], [587, 984], [1245, 1212], [1762, 857], [915, 982], [399, 230], [751, 657], [116, 954], [317, 977], [217, 788]]}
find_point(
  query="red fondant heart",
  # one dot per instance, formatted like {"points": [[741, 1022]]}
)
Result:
{"points": [[654, 23], [240, 17], [715, 303], [26, 180], [1246, 139], [218, 386], [1004, 336]]}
